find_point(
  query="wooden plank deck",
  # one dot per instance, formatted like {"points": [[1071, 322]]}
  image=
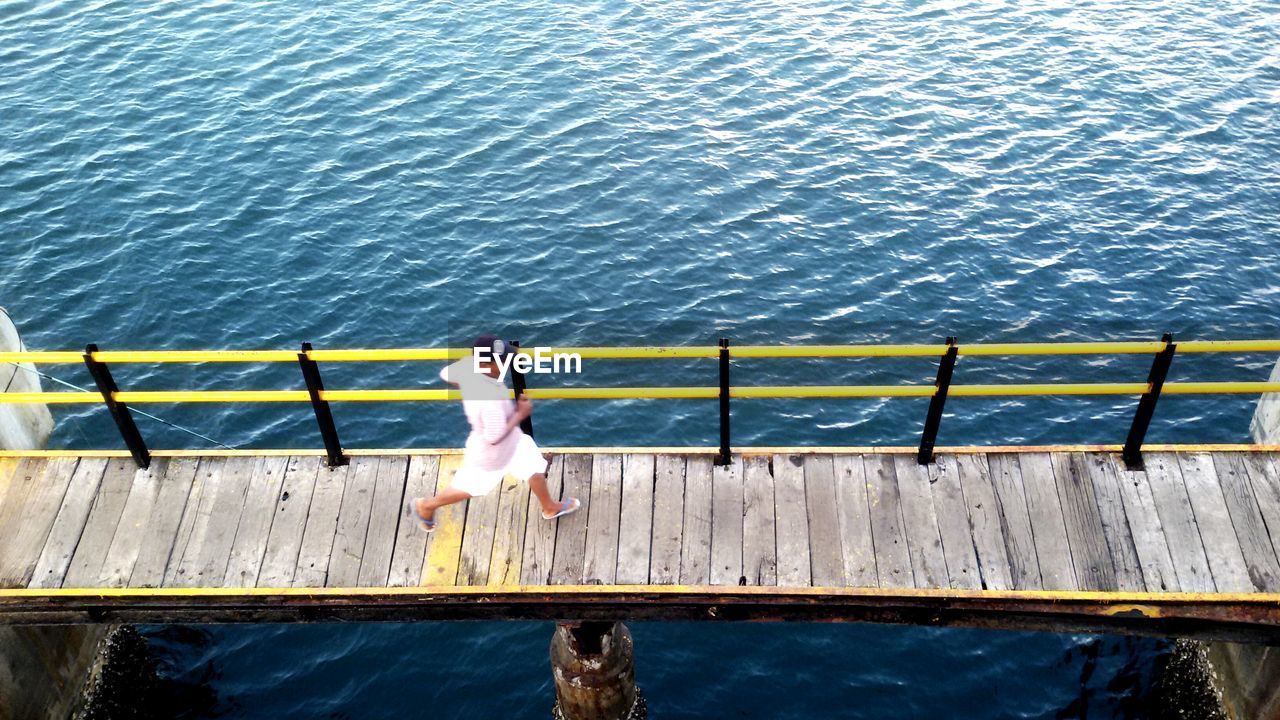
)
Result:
{"points": [[995, 523]]}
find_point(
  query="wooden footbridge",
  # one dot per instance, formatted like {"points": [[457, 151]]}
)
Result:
{"points": [[1153, 539]]}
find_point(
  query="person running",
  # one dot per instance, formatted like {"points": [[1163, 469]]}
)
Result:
{"points": [[496, 446]]}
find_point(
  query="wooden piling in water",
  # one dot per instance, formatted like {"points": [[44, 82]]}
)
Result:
{"points": [[594, 668]]}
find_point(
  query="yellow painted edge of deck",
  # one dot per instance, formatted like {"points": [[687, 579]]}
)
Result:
{"points": [[8, 466], [444, 544], [666, 450], [668, 590]]}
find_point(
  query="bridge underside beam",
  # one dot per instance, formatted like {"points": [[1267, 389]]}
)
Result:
{"points": [[1241, 618]]}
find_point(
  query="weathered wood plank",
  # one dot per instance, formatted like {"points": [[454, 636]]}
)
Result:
{"points": [[1264, 478], [353, 523], [635, 533], [157, 538], [1222, 547], [25, 478], [540, 535], [86, 564], [55, 558], [571, 531], [133, 529], [1158, 574], [794, 563], [508, 541], [1246, 517], [893, 557], [1178, 521], [477, 538], [695, 536], [603, 525], [22, 549], [984, 519], [1089, 552], [857, 549], [444, 544], [1098, 469], [826, 561], [920, 521], [194, 515], [1048, 527], [759, 526], [953, 525], [8, 466], [284, 542], [668, 519], [1015, 521], [321, 528], [726, 522], [211, 476], [411, 541], [209, 568], [385, 517], [250, 545]]}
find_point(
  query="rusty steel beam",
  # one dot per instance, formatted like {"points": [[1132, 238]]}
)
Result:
{"points": [[1241, 617]]}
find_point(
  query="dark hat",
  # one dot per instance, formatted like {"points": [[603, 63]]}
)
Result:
{"points": [[493, 346]]}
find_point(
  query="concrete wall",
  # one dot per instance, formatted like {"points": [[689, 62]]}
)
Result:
{"points": [[43, 670], [1249, 679], [22, 427], [1266, 419], [1248, 676]]}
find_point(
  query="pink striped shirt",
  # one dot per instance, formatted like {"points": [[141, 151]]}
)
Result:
{"points": [[487, 406]]}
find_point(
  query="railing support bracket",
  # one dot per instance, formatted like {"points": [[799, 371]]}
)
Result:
{"points": [[1147, 404], [519, 385], [946, 366], [324, 416], [119, 411], [722, 458]]}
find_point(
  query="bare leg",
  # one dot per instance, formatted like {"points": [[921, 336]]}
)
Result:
{"points": [[426, 507], [538, 484]]}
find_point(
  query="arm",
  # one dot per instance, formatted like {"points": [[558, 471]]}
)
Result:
{"points": [[452, 373]]}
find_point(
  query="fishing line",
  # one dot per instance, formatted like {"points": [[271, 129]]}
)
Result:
{"points": [[23, 348], [143, 413]]}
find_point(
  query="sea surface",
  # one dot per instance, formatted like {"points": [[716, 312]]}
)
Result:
{"points": [[255, 174]]}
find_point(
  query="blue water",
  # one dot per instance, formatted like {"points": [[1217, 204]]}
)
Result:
{"points": [[252, 175]]}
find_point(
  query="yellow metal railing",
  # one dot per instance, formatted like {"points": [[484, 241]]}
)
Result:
{"points": [[650, 393], [117, 400]]}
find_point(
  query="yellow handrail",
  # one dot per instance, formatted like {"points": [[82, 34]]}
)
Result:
{"points": [[653, 352], [649, 393]]}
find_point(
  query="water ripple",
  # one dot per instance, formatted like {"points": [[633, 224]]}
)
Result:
{"points": [[214, 174]]}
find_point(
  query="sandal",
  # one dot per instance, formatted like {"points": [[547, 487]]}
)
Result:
{"points": [[569, 505], [425, 524]]}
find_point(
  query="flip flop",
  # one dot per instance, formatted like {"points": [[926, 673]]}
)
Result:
{"points": [[425, 524], [570, 505]]}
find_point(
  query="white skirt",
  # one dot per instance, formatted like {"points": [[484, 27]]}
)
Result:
{"points": [[526, 462]]}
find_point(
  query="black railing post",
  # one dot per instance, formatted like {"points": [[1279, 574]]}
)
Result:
{"points": [[119, 411], [324, 417], [518, 385], [723, 457], [939, 400], [1147, 404]]}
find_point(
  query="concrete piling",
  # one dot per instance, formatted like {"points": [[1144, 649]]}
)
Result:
{"points": [[44, 671], [1266, 419], [27, 426], [594, 668]]}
